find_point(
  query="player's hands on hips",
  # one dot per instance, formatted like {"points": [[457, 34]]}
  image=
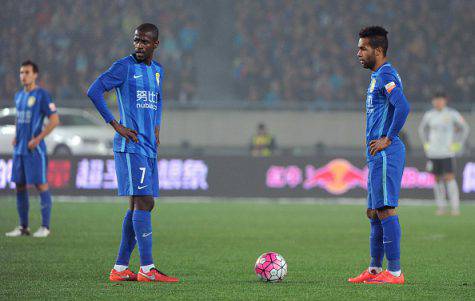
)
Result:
{"points": [[33, 143], [127, 133], [378, 145]]}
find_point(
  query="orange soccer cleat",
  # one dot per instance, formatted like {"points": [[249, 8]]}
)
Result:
{"points": [[386, 277], [125, 275], [365, 276], [154, 276]]}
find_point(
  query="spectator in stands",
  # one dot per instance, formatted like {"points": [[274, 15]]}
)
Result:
{"points": [[284, 51], [262, 143], [57, 34], [305, 48]]}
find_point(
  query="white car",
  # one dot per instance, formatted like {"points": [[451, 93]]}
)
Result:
{"points": [[78, 133]]}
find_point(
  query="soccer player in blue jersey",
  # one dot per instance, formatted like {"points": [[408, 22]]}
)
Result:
{"points": [[137, 80], [386, 112], [30, 163]]}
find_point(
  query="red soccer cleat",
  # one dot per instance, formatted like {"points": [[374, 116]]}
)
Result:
{"points": [[154, 276], [386, 277], [126, 275], [365, 276]]}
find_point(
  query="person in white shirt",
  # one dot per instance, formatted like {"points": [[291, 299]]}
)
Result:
{"points": [[443, 132]]}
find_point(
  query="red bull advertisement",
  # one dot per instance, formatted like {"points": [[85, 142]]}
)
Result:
{"points": [[338, 176], [243, 177]]}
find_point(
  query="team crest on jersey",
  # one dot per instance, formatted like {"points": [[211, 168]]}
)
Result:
{"points": [[157, 76], [31, 101], [372, 85]]}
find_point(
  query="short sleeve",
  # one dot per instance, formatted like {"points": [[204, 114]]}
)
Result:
{"points": [[47, 105], [115, 76], [388, 83]]}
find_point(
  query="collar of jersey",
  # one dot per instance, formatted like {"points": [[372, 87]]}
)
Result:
{"points": [[377, 70], [137, 62], [133, 58], [28, 92]]}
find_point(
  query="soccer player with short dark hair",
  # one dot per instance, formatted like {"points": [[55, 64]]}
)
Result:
{"points": [[386, 113], [137, 80], [30, 162]]}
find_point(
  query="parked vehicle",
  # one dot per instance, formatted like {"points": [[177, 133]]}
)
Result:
{"points": [[79, 133]]}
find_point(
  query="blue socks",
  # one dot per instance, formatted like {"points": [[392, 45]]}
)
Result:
{"points": [[142, 223], [46, 205], [127, 244], [23, 207], [376, 246], [391, 241]]}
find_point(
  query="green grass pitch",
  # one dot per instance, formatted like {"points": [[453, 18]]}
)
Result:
{"points": [[212, 247]]}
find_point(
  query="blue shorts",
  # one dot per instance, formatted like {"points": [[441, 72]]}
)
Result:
{"points": [[136, 174], [384, 179], [31, 168]]}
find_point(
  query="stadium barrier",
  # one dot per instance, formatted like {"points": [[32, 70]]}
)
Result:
{"points": [[225, 176]]}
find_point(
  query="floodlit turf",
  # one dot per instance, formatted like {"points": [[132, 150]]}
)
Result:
{"points": [[212, 247]]}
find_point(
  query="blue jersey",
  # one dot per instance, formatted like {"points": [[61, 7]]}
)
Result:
{"points": [[31, 108], [139, 95], [384, 95]]}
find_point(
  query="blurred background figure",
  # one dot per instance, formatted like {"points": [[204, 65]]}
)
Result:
{"points": [[30, 161], [405, 139], [262, 143], [443, 132]]}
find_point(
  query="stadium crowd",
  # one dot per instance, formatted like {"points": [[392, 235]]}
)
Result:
{"points": [[74, 41], [284, 50], [307, 52]]}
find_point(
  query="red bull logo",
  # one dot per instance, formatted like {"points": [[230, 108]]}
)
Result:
{"points": [[338, 177]]}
